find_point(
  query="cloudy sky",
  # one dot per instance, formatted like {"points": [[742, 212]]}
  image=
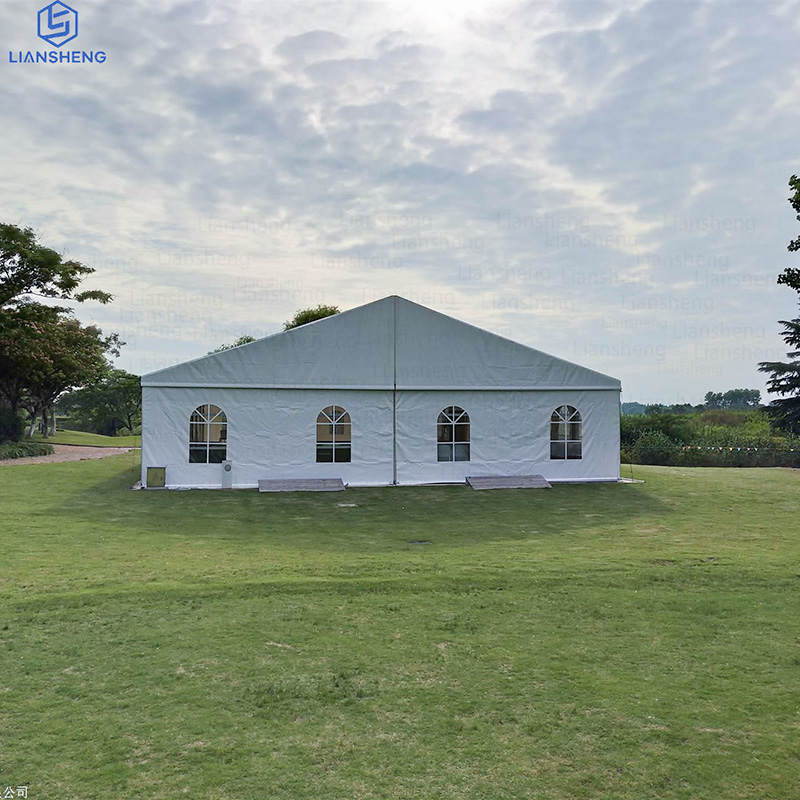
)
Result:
{"points": [[606, 182]]}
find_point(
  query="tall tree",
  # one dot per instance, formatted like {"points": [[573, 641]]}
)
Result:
{"points": [[306, 315], [785, 380], [65, 355], [734, 399], [43, 350], [104, 406], [29, 269]]}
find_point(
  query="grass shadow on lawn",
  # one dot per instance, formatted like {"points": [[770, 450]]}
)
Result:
{"points": [[385, 517]]}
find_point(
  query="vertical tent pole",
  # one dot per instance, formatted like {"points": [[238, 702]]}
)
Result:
{"points": [[394, 392]]}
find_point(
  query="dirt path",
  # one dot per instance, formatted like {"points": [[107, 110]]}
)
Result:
{"points": [[68, 452]]}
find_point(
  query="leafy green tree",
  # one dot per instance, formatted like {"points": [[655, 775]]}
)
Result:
{"points": [[733, 399], [28, 269], [306, 315], [245, 339], [43, 349], [58, 356], [785, 375], [109, 403]]}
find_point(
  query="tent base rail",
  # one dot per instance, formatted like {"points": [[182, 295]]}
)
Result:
{"points": [[508, 482], [302, 485]]}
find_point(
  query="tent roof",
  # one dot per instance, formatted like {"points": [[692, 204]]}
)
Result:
{"points": [[389, 343]]}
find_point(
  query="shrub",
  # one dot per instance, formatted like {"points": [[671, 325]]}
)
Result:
{"points": [[11, 426], [24, 450], [655, 447], [676, 427], [701, 456]]}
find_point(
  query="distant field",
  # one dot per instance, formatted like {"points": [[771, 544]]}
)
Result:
{"points": [[94, 439], [606, 642]]}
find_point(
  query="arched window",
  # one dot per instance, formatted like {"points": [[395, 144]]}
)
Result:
{"points": [[208, 435], [566, 433], [333, 435], [452, 435]]}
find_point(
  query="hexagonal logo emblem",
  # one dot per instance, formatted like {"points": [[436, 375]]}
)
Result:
{"points": [[58, 23]]}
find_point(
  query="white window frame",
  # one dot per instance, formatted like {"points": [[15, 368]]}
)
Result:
{"points": [[205, 449], [566, 434], [338, 424], [448, 447]]}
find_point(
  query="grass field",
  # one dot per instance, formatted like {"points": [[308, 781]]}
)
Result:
{"points": [[93, 439], [619, 642]]}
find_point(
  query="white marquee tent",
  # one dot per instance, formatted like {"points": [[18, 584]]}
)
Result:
{"points": [[389, 392]]}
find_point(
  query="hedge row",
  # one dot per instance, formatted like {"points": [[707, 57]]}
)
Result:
{"points": [[24, 450], [654, 447]]}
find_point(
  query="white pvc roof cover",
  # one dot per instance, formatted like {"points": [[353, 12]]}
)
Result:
{"points": [[390, 343]]}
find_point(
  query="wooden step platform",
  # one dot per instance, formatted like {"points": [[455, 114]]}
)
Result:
{"points": [[509, 482], [302, 485]]}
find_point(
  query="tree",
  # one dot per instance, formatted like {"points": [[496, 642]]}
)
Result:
{"points": [[27, 268], [734, 399], [20, 332], [43, 349], [785, 380], [109, 403], [245, 339], [306, 315], [64, 355]]}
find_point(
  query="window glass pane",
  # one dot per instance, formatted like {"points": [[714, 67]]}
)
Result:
{"points": [[445, 452], [574, 430], [442, 419], [444, 433], [344, 418], [341, 453], [342, 433], [215, 413], [558, 431], [217, 432], [557, 449], [461, 452], [198, 454], [462, 432], [216, 453], [198, 432], [325, 433], [324, 453], [197, 416], [459, 415], [573, 450]]}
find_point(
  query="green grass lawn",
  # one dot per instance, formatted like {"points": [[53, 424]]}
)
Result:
{"points": [[619, 642], [94, 439]]}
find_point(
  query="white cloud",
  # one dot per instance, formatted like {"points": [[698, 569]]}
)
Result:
{"points": [[582, 177]]}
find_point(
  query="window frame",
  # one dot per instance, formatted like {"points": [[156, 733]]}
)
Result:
{"points": [[566, 434], [202, 448], [453, 435], [339, 424]]}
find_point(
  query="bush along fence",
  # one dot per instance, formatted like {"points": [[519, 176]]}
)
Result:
{"points": [[693, 455], [666, 453]]}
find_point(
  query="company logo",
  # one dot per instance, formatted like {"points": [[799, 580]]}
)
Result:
{"points": [[58, 23]]}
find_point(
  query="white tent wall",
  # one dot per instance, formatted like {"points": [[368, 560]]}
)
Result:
{"points": [[509, 435], [271, 434]]}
